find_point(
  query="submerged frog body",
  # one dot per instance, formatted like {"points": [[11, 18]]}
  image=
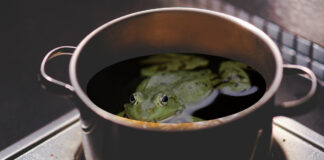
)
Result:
{"points": [[171, 62], [174, 88]]}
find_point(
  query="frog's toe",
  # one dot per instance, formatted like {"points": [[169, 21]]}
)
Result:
{"points": [[196, 119], [121, 114], [216, 81]]}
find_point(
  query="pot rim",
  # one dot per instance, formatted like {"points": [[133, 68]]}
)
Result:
{"points": [[178, 126]]}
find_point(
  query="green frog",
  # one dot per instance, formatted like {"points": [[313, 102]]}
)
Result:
{"points": [[176, 85]]}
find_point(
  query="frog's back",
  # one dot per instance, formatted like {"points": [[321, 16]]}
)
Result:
{"points": [[189, 86], [195, 86], [164, 79]]}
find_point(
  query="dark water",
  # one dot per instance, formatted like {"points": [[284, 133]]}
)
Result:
{"points": [[111, 88]]}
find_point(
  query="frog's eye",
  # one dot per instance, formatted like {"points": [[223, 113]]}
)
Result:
{"points": [[132, 99], [164, 100]]}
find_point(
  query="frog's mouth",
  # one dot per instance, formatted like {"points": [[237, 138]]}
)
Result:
{"points": [[175, 116]]}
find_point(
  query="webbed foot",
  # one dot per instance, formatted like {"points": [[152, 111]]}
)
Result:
{"points": [[233, 77]]}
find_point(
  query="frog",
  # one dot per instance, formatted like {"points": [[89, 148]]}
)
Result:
{"points": [[177, 85]]}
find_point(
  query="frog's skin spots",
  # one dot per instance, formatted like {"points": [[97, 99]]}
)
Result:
{"points": [[187, 82]]}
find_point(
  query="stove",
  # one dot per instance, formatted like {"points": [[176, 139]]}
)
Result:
{"points": [[61, 139], [294, 138]]}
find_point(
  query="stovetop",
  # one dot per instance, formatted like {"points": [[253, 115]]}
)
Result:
{"points": [[33, 28], [62, 140]]}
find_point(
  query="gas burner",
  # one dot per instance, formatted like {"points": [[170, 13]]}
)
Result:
{"points": [[61, 139]]}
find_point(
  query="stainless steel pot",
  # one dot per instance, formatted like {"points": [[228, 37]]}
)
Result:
{"points": [[107, 136]]}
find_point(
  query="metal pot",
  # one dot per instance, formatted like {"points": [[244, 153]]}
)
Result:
{"points": [[107, 136]]}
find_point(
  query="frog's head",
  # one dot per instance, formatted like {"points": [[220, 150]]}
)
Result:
{"points": [[152, 108]]}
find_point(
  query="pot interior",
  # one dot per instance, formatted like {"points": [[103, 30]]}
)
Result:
{"points": [[174, 31]]}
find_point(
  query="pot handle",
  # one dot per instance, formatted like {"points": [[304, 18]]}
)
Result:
{"points": [[293, 106], [59, 51]]}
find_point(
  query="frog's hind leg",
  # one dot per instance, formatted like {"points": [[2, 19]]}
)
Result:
{"points": [[155, 68], [171, 62]]}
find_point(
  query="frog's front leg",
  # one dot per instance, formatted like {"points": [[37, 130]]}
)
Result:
{"points": [[196, 119], [189, 118], [121, 114], [185, 118]]}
